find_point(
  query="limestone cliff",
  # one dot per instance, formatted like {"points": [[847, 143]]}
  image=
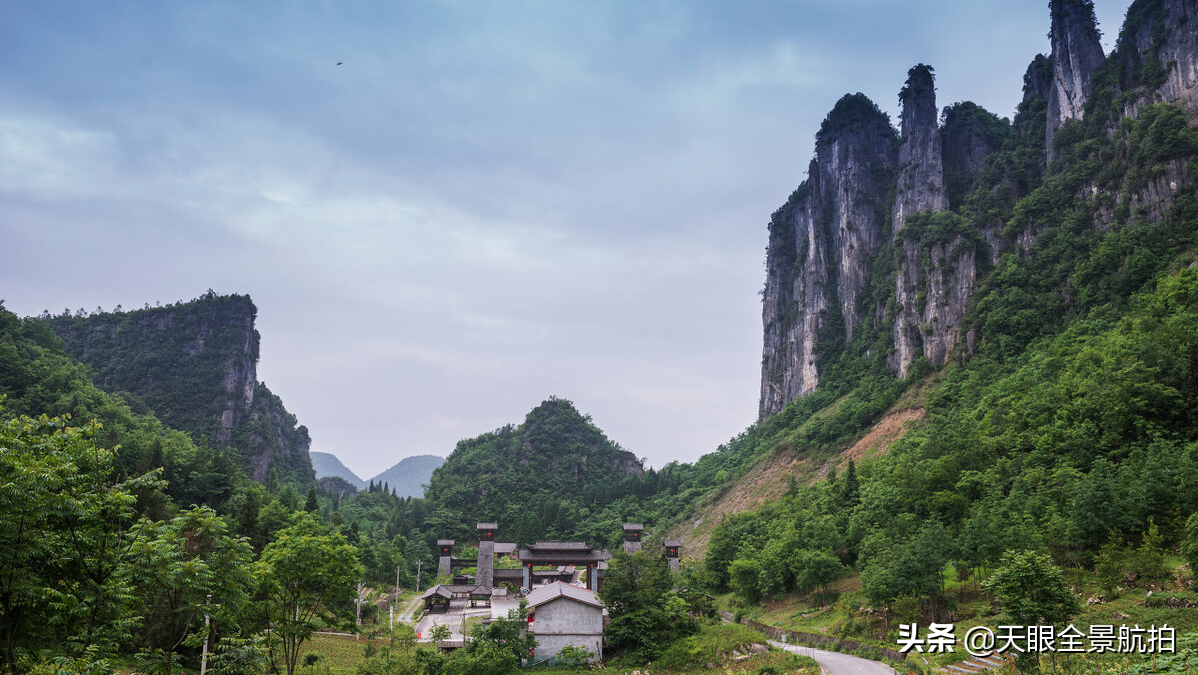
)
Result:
{"points": [[1158, 50], [921, 171], [934, 276], [970, 189], [195, 365], [820, 243], [968, 136], [1076, 55]]}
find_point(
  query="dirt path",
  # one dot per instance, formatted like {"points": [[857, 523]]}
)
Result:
{"points": [[406, 615]]}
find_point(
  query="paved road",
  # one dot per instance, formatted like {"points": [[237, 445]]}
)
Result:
{"points": [[835, 663]]}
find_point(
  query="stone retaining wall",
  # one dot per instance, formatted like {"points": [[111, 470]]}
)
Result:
{"points": [[813, 639]]}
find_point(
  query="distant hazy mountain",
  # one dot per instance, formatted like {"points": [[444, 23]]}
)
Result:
{"points": [[409, 476], [328, 465]]}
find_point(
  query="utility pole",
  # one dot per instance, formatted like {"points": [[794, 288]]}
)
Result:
{"points": [[395, 605], [358, 612], [418, 576], [207, 634]]}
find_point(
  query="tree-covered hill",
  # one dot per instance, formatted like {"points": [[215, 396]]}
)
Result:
{"points": [[38, 378], [194, 364], [550, 477], [1055, 371]]}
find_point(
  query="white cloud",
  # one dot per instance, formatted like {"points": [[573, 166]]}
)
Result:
{"points": [[46, 159]]}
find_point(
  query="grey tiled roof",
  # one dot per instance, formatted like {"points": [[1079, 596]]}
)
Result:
{"points": [[543, 594]]}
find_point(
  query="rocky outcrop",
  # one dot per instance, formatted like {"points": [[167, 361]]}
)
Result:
{"points": [[1158, 50], [822, 238], [1076, 54], [933, 291], [969, 135], [935, 271], [195, 365], [820, 243], [921, 173]]}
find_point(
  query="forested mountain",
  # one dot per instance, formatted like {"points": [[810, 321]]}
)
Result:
{"points": [[548, 477], [1013, 304], [38, 378], [327, 465], [408, 477], [194, 364]]}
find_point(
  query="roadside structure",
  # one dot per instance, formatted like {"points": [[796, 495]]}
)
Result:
{"points": [[564, 553], [672, 548], [436, 599], [563, 614], [632, 537]]}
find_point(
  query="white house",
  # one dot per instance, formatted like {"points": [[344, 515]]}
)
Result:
{"points": [[563, 614]]}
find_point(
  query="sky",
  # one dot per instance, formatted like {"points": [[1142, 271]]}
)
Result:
{"points": [[447, 212]]}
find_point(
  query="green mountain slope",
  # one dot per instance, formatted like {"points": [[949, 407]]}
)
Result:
{"points": [[1055, 410], [38, 378], [194, 364]]}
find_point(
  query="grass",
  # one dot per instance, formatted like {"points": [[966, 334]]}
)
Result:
{"points": [[338, 654]]}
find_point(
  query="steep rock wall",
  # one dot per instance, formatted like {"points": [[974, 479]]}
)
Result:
{"points": [[820, 243], [968, 136], [814, 269], [934, 278], [921, 171], [1076, 55], [1158, 50]]}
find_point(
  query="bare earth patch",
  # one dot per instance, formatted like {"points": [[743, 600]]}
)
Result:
{"points": [[879, 439], [769, 480]]}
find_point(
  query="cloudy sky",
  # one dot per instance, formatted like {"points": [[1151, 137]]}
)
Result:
{"points": [[449, 211]]}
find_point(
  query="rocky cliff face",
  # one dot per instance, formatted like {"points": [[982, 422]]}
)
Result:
{"points": [[1158, 49], [970, 134], [934, 278], [1076, 54], [953, 202], [921, 172], [820, 243], [195, 365]]}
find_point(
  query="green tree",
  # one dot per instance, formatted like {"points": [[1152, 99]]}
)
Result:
{"points": [[304, 571], [575, 657], [188, 568], [646, 615], [744, 577], [1189, 550], [815, 569], [497, 647], [440, 632], [1033, 592], [65, 537]]}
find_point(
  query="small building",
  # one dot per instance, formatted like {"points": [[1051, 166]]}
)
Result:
{"points": [[562, 615], [436, 599], [632, 537], [672, 548]]}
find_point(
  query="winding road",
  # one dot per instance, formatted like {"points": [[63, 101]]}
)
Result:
{"points": [[835, 663]]}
